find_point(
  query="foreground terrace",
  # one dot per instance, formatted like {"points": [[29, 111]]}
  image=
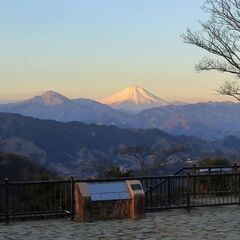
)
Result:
{"points": [[194, 203], [200, 223]]}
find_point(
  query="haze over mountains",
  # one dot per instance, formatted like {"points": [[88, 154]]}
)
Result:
{"points": [[73, 147], [52, 105], [86, 150], [208, 120]]}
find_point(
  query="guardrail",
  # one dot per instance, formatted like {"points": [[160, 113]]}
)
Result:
{"points": [[19, 200], [188, 188]]}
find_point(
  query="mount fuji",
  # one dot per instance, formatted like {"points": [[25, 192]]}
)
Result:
{"points": [[134, 98], [209, 120]]}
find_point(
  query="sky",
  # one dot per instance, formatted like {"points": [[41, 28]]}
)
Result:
{"points": [[93, 48]]}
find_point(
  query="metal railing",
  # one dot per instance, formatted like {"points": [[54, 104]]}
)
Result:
{"points": [[197, 190], [188, 188], [38, 199]]}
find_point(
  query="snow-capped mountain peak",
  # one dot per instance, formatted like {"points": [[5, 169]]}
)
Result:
{"points": [[133, 98]]}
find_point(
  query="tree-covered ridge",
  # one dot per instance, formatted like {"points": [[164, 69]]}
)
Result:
{"points": [[19, 168]]}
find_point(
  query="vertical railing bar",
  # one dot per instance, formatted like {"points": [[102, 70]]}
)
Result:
{"points": [[151, 191], [206, 193], [188, 192], [161, 195], [165, 193], [223, 191], [50, 197], [235, 182], [55, 197], [178, 187], [45, 202], [209, 198], [147, 197], [157, 194], [60, 196], [226, 187], [151, 202], [169, 191], [72, 198], [65, 196], [217, 189], [6, 200], [36, 197], [194, 181], [238, 190], [237, 187]]}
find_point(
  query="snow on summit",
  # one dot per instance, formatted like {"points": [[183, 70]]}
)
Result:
{"points": [[133, 98]]}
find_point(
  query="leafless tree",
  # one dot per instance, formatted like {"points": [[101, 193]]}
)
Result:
{"points": [[220, 36], [143, 154], [230, 89]]}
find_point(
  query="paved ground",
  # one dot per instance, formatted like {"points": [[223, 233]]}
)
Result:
{"points": [[203, 223]]}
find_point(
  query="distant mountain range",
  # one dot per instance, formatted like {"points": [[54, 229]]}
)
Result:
{"points": [[52, 105], [209, 120], [86, 150]]}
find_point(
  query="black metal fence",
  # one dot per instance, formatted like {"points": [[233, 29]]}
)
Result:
{"points": [[187, 188], [198, 190], [19, 200]]}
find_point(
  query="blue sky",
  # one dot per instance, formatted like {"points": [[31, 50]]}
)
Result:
{"points": [[95, 47]]}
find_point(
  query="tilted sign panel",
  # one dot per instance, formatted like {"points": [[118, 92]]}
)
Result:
{"points": [[108, 191]]}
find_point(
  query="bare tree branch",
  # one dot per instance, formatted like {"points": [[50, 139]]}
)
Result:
{"points": [[220, 36], [143, 154], [230, 89]]}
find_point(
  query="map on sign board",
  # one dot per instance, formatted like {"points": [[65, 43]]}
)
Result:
{"points": [[136, 187]]}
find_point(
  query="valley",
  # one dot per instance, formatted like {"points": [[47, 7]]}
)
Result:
{"points": [[85, 150]]}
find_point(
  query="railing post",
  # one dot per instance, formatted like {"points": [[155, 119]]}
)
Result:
{"points": [[238, 182], [6, 200], [150, 200], [72, 198], [194, 181], [169, 191], [235, 167], [188, 191], [235, 170]]}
